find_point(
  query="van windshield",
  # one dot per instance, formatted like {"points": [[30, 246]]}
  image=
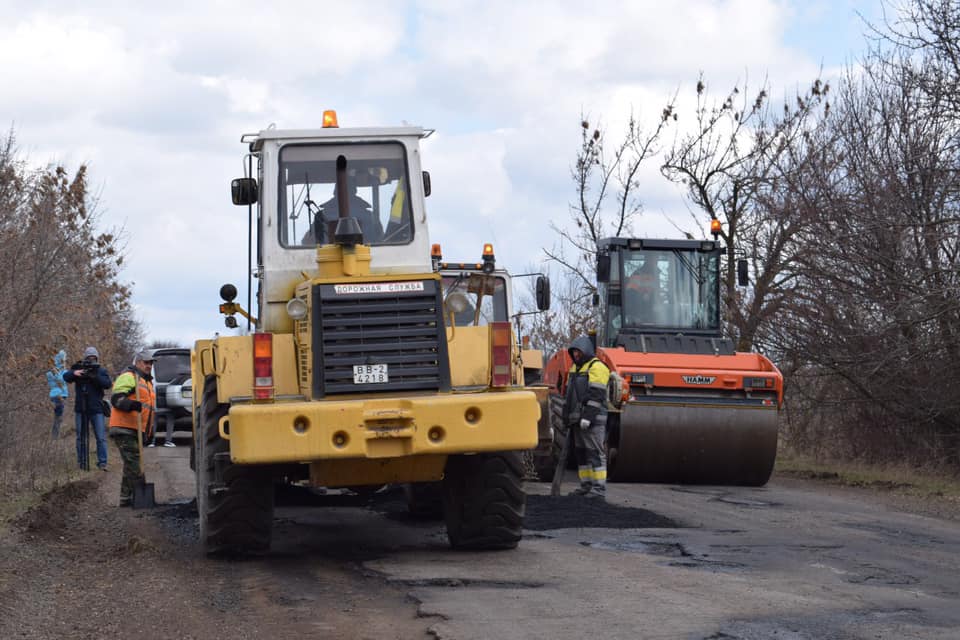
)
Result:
{"points": [[170, 366]]}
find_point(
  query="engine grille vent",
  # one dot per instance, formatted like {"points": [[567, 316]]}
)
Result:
{"points": [[398, 326]]}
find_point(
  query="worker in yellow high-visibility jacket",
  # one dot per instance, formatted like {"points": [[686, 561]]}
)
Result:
{"points": [[585, 412]]}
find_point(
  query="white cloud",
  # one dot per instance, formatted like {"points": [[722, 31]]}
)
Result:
{"points": [[155, 98]]}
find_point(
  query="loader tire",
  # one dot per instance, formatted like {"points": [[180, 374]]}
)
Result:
{"points": [[234, 502], [483, 500]]}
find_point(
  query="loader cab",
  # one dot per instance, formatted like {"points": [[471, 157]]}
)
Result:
{"points": [[485, 297], [658, 287], [292, 189]]}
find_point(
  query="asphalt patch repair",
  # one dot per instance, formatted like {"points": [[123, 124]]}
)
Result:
{"points": [[568, 512]]}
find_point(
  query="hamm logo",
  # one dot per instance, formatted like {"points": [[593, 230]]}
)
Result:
{"points": [[699, 379]]}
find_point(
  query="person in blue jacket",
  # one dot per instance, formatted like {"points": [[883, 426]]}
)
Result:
{"points": [[92, 380], [58, 390]]}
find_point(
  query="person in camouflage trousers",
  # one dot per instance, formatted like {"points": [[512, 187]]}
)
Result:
{"points": [[134, 406]]}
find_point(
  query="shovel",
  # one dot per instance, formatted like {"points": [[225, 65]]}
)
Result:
{"points": [[561, 464], [143, 497]]}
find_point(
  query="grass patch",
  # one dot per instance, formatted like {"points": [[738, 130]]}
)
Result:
{"points": [[898, 478], [15, 500]]}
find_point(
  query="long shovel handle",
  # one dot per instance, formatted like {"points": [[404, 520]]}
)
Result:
{"points": [[139, 428], [561, 464]]}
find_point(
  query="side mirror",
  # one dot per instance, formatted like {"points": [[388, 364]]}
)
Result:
{"points": [[743, 278], [603, 267], [243, 191], [543, 293], [596, 299], [426, 184]]}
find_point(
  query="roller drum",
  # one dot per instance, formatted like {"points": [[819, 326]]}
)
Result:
{"points": [[694, 444]]}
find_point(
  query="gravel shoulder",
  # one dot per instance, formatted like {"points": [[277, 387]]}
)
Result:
{"points": [[896, 497]]}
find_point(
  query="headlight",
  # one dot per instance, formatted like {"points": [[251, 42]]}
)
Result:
{"points": [[457, 302], [297, 309]]}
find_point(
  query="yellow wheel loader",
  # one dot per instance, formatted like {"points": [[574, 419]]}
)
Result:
{"points": [[352, 373], [479, 294]]}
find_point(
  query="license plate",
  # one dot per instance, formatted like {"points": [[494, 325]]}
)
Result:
{"points": [[369, 373]]}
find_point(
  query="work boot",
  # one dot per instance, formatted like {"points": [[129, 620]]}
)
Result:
{"points": [[580, 491], [125, 502]]}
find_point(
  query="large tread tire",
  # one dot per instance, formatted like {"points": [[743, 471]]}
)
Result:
{"points": [[483, 500], [235, 502]]}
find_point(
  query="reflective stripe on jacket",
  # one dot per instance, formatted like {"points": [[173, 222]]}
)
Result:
{"points": [[135, 387]]}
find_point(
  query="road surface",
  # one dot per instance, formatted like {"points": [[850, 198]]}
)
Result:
{"points": [[793, 560]]}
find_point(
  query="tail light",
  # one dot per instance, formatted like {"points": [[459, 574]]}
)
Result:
{"points": [[500, 353], [262, 366]]}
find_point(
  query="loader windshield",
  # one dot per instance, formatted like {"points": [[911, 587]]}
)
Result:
{"points": [[378, 193], [665, 290], [491, 292]]}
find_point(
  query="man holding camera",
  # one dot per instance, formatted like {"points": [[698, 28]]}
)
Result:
{"points": [[91, 380]]}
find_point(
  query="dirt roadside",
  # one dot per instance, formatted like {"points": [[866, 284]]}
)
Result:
{"points": [[76, 566], [894, 496]]}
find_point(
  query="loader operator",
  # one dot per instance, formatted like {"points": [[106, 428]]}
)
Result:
{"points": [[134, 405], [327, 214], [585, 412]]}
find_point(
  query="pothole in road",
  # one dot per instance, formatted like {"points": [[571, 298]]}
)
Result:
{"points": [[679, 555], [667, 549], [873, 574], [890, 532], [746, 502], [466, 583], [566, 512]]}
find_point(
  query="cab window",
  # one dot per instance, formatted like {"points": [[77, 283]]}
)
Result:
{"points": [[377, 193]]}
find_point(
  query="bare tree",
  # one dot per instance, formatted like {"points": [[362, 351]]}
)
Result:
{"points": [[733, 161], [607, 201], [873, 328], [59, 280]]}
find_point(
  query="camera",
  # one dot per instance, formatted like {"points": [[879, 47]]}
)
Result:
{"points": [[89, 367]]}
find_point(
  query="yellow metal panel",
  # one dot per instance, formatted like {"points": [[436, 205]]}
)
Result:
{"points": [[532, 358], [233, 363], [377, 427], [469, 356], [360, 471]]}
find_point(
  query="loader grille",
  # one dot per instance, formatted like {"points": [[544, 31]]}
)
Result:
{"points": [[402, 329]]}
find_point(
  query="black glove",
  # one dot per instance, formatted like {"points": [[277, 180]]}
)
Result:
{"points": [[136, 405]]}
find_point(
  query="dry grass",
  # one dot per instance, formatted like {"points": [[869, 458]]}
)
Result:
{"points": [[900, 478], [31, 463]]}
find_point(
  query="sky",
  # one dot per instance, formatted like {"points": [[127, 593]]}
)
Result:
{"points": [[154, 98]]}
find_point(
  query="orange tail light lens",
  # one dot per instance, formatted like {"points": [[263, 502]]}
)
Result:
{"points": [[500, 354], [262, 366]]}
